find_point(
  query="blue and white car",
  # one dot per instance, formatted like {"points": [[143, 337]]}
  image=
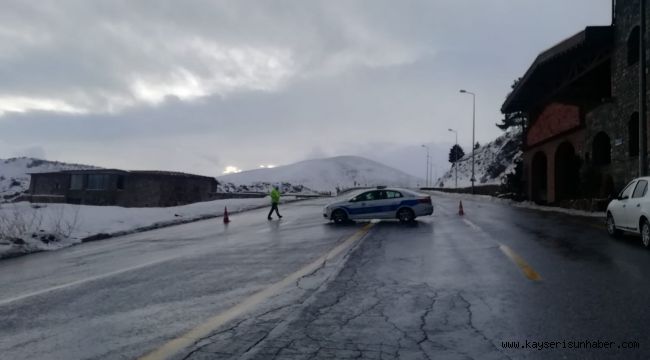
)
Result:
{"points": [[381, 203]]}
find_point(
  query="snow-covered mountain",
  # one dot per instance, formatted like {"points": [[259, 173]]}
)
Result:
{"points": [[14, 174], [326, 174], [492, 162]]}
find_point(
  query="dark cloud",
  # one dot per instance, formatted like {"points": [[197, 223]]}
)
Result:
{"points": [[201, 85]]}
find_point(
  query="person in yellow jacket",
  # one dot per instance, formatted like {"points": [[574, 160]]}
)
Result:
{"points": [[275, 200]]}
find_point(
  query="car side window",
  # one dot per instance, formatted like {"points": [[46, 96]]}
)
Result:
{"points": [[374, 195], [627, 192], [641, 189], [368, 196], [393, 194]]}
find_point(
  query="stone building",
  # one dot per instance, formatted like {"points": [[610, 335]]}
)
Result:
{"points": [[581, 98], [121, 188]]}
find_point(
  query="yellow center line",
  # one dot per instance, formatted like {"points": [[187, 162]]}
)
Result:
{"points": [[188, 339], [528, 271]]}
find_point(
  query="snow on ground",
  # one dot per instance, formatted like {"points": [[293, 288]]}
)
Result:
{"points": [[327, 174], [524, 204], [492, 162], [27, 227], [14, 174]]}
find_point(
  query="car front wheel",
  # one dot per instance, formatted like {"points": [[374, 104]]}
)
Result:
{"points": [[339, 216], [645, 233], [611, 226]]}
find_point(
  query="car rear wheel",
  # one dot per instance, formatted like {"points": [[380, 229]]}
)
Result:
{"points": [[645, 233], [611, 226], [339, 217], [405, 215]]}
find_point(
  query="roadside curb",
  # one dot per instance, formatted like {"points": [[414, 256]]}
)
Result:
{"points": [[522, 205]]}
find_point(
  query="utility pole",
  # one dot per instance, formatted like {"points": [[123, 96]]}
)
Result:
{"points": [[473, 179], [427, 173], [643, 151]]}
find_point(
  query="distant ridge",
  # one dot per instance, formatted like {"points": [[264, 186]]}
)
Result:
{"points": [[327, 174]]}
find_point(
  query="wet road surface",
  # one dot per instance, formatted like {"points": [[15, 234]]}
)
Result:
{"points": [[445, 287]]}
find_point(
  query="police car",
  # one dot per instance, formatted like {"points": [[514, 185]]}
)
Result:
{"points": [[381, 203]]}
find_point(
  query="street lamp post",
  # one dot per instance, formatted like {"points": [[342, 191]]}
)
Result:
{"points": [[473, 179], [427, 173], [455, 156], [643, 146]]}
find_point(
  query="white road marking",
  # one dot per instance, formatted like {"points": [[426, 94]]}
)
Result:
{"points": [[82, 281]]}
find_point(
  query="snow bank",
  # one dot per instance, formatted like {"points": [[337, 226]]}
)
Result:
{"points": [[26, 227]]}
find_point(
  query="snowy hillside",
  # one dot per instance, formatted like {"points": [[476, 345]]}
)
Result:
{"points": [[14, 178], [492, 162], [327, 174]]}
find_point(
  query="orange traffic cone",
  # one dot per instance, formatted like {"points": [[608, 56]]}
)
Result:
{"points": [[460, 209], [226, 219]]}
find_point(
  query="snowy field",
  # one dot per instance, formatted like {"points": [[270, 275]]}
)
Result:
{"points": [[27, 227]]}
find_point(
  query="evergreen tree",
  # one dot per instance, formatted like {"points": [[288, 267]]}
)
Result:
{"points": [[516, 118], [456, 153], [477, 145]]}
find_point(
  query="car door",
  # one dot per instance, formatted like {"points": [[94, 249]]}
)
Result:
{"points": [[384, 207], [393, 200], [362, 206], [619, 209], [633, 208]]}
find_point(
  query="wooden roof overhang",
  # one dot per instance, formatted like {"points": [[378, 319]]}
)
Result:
{"points": [[566, 63]]}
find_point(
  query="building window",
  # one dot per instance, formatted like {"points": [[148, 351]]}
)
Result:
{"points": [[633, 43], [602, 149], [633, 135], [76, 182], [120, 182], [97, 182]]}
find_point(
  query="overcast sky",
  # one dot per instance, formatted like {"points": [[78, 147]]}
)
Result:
{"points": [[198, 86]]}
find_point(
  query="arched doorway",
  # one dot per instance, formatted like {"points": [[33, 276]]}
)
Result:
{"points": [[566, 172], [602, 149], [539, 178]]}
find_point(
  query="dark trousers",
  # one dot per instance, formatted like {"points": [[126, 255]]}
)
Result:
{"points": [[274, 206]]}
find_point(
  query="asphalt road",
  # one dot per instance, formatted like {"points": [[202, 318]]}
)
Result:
{"points": [[445, 287]]}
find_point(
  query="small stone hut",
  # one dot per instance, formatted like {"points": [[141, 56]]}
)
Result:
{"points": [[121, 188]]}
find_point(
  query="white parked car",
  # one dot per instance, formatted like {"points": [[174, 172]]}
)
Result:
{"points": [[381, 203], [630, 211]]}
